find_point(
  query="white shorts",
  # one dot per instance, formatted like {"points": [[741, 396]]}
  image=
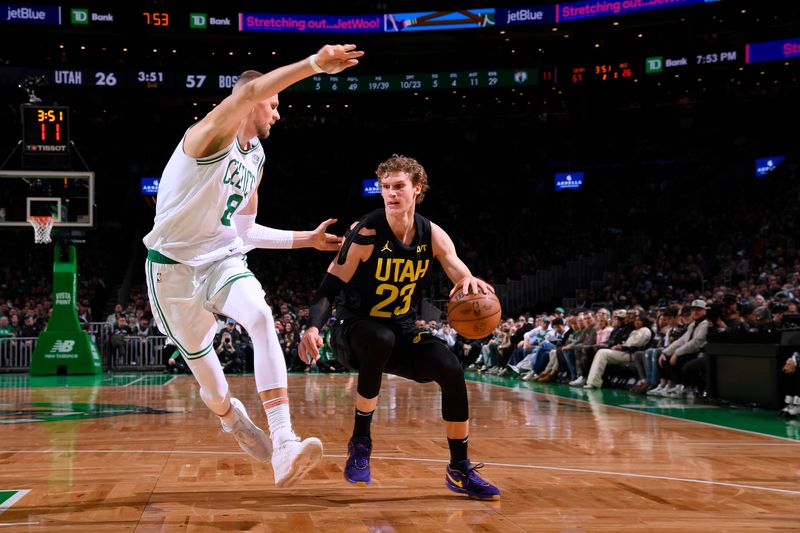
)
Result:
{"points": [[184, 299]]}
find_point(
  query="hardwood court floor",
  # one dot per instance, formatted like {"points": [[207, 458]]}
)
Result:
{"points": [[136, 455]]}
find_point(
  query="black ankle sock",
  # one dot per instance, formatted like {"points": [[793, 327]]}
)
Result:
{"points": [[362, 424], [458, 451]]}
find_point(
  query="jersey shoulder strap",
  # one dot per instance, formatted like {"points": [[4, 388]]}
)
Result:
{"points": [[423, 228], [368, 221]]}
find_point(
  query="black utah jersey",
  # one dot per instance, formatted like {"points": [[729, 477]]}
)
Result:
{"points": [[387, 287]]}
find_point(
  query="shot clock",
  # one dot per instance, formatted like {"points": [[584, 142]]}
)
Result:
{"points": [[45, 129]]}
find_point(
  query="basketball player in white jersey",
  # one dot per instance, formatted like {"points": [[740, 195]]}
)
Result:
{"points": [[204, 224]]}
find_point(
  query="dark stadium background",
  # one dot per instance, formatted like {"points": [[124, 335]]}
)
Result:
{"points": [[664, 156]]}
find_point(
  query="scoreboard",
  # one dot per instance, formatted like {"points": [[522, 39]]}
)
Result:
{"points": [[216, 81], [474, 79]]}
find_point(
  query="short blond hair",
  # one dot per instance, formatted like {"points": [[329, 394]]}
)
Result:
{"points": [[246, 77]]}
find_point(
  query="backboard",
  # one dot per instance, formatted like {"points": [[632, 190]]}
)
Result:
{"points": [[66, 196]]}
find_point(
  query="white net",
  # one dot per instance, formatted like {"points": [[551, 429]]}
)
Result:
{"points": [[41, 228]]}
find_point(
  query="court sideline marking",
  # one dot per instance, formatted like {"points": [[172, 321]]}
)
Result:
{"points": [[20, 493], [445, 461]]}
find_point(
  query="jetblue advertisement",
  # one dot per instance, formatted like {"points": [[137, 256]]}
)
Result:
{"points": [[527, 15], [25, 14]]}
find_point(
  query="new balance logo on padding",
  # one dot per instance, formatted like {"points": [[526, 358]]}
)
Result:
{"points": [[62, 346]]}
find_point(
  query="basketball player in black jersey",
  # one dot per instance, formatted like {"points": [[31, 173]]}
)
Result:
{"points": [[376, 281]]}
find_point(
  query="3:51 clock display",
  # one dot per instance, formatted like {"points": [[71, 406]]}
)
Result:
{"points": [[45, 129]]}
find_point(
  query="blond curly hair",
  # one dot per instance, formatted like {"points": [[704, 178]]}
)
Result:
{"points": [[400, 163]]}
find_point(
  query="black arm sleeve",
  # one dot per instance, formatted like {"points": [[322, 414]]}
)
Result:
{"points": [[320, 311]]}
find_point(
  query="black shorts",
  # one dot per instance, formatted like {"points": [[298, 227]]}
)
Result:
{"points": [[409, 359]]}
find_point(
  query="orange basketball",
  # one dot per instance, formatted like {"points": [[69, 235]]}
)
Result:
{"points": [[474, 316]]}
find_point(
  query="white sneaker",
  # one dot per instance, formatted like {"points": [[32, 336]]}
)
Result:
{"points": [[794, 410], [657, 391], [580, 381], [249, 436], [529, 376], [677, 391], [515, 368], [294, 459]]}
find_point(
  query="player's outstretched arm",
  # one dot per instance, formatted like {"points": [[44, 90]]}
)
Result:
{"points": [[318, 238], [259, 236], [217, 129], [445, 252]]}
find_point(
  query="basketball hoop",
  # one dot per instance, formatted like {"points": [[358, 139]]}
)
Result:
{"points": [[41, 228]]}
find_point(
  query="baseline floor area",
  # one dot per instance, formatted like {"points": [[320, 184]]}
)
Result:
{"points": [[139, 452]]}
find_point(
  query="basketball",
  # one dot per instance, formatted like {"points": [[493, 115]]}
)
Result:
{"points": [[472, 315]]}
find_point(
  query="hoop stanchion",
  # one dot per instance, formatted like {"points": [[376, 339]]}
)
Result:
{"points": [[63, 348], [42, 225]]}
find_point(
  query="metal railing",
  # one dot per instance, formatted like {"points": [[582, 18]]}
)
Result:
{"points": [[15, 353], [136, 353], [119, 353]]}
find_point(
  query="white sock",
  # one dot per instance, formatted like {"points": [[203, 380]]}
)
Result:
{"points": [[279, 420]]}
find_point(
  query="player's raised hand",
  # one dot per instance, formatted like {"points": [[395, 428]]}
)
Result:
{"points": [[334, 58], [322, 240]]}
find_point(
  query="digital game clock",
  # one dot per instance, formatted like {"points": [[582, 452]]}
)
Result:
{"points": [[45, 129]]}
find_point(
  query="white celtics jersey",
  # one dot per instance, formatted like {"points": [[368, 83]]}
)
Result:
{"points": [[197, 199]]}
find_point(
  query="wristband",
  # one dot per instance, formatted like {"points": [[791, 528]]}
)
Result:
{"points": [[312, 60]]}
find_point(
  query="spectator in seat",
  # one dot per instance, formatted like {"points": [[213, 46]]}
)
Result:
{"points": [[544, 363], [142, 329], [491, 352], [29, 328], [585, 352], [683, 350], [118, 339], [468, 350], [6, 331], [585, 336], [447, 334], [790, 386], [290, 341], [556, 363], [525, 348], [113, 318], [620, 353], [647, 361], [231, 359]]}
